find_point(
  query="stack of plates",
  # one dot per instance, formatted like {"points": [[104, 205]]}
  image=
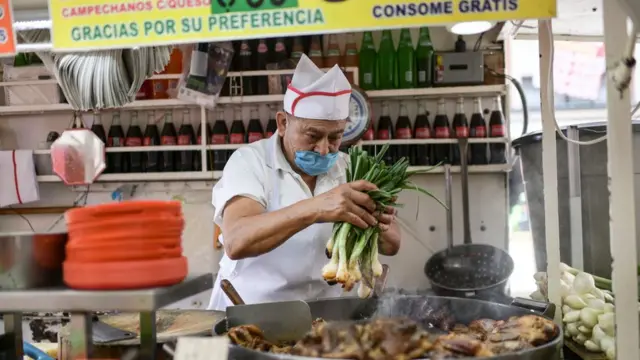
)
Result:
{"points": [[127, 245], [101, 79]]}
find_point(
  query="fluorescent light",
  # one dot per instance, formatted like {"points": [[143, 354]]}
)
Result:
{"points": [[470, 27]]}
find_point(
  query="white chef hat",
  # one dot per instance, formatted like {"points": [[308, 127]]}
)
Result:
{"points": [[314, 94]]}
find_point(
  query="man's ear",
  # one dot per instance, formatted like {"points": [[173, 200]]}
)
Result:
{"points": [[281, 120]]}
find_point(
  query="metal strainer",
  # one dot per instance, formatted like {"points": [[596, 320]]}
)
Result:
{"points": [[468, 269]]}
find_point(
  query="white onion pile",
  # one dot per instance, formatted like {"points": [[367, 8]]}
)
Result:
{"points": [[588, 312]]}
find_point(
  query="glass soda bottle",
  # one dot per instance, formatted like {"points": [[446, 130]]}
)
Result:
{"points": [[385, 132], [97, 127], [460, 130], [387, 62], [421, 130], [403, 131], [424, 59], [367, 62], [497, 129], [116, 160], [237, 133], [406, 61], [134, 138], [261, 60], [272, 125], [254, 130], [315, 51], [152, 159], [333, 55], [350, 55], [197, 155], [477, 130], [441, 130], [168, 137], [297, 50], [219, 136], [244, 64], [186, 136]]}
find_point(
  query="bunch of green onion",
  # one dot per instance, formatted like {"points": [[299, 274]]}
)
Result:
{"points": [[353, 252]]}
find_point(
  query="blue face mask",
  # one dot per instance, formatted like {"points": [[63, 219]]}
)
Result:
{"points": [[314, 164]]}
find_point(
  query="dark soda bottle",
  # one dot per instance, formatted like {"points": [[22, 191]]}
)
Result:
{"points": [[168, 137], [116, 160], [441, 130], [403, 132], [477, 130], [237, 133], [152, 159], [244, 64], [385, 132], [134, 138], [497, 129], [219, 136], [186, 136], [261, 59], [297, 50], [272, 125], [255, 131], [421, 130], [369, 134], [280, 51], [97, 127], [460, 130], [197, 155]]}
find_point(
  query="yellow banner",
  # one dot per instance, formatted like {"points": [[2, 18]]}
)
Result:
{"points": [[93, 24]]}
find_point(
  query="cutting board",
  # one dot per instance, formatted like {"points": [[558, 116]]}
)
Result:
{"points": [[170, 324]]}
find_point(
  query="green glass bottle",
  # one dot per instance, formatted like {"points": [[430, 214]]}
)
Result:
{"points": [[367, 62], [406, 61], [424, 59], [387, 62], [20, 60]]}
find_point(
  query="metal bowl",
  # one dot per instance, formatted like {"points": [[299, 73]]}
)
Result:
{"points": [[29, 261]]}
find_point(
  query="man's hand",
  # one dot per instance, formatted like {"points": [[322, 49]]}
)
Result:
{"points": [[347, 203], [385, 218]]}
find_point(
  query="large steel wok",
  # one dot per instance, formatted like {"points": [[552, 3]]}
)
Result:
{"points": [[424, 309]]}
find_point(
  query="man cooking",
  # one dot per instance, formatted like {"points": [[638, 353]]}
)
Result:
{"points": [[279, 197]]}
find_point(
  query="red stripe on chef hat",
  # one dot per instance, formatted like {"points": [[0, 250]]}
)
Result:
{"points": [[302, 95]]}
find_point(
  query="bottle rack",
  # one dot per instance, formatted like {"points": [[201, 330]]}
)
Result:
{"points": [[236, 77], [82, 304]]}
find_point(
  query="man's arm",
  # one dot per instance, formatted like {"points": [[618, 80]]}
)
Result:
{"points": [[390, 240], [250, 231]]}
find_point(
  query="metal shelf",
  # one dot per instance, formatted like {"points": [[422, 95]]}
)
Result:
{"points": [[126, 300], [438, 92]]}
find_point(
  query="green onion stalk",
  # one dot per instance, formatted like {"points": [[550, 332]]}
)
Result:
{"points": [[352, 251]]}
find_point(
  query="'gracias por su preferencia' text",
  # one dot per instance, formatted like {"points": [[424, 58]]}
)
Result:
{"points": [[290, 17]]}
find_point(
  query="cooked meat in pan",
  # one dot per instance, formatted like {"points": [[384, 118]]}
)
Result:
{"points": [[404, 339]]}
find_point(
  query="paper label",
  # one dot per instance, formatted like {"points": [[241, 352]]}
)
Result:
{"points": [[202, 348]]}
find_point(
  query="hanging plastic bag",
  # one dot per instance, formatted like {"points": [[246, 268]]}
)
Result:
{"points": [[203, 78]]}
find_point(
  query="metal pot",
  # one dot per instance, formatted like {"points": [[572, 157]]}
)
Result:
{"points": [[421, 309], [29, 261]]}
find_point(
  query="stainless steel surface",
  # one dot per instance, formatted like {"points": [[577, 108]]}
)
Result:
{"points": [[464, 178], [449, 203], [575, 199], [81, 335], [126, 300], [593, 190], [422, 309], [148, 335], [30, 260], [280, 321]]}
